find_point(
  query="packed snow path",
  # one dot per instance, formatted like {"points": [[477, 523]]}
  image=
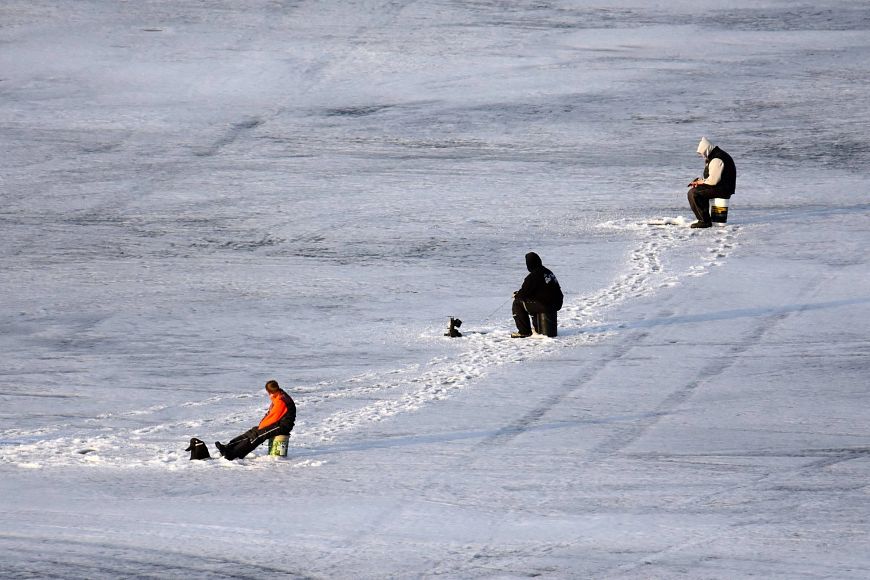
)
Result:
{"points": [[393, 392]]}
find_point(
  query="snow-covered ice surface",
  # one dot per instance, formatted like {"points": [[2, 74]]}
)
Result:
{"points": [[200, 196]]}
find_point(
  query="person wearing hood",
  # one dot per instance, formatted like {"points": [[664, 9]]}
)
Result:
{"points": [[719, 180], [279, 420], [539, 294]]}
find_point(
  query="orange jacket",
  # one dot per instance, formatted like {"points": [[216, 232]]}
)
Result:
{"points": [[281, 404]]}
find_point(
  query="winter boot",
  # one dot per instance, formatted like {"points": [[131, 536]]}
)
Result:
{"points": [[223, 450]]}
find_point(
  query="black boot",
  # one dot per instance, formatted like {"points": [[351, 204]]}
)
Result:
{"points": [[223, 450]]}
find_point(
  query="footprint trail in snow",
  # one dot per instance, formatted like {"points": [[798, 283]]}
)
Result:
{"points": [[372, 397]]}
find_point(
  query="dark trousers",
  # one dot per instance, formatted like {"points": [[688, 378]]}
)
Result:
{"points": [[240, 446], [522, 310], [699, 200]]}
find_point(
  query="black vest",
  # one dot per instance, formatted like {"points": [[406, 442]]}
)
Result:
{"points": [[728, 182]]}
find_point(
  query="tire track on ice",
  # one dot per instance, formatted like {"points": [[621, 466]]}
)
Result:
{"points": [[53, 556], [718, 365], [527, 421]]}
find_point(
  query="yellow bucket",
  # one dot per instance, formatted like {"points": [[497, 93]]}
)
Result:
{"points": [[278, 445]]}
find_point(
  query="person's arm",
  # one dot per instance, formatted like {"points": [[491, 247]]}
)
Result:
{"points": [[714, 172], [528, 289]]}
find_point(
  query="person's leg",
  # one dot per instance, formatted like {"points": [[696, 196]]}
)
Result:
{"points": [[699, 200], [239, 446], [521, 318], [693, 203], [245, 446], [527, 309], [259, 436]]}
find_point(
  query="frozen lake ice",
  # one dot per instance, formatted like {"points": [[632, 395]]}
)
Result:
{"points": [[198, 197]]}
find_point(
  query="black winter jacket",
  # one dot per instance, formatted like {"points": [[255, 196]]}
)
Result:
{"points": [[540, 285]]}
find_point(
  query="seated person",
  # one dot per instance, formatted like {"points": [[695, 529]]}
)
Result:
{"points": [[279, 420], [540, 294], [720, 180]]}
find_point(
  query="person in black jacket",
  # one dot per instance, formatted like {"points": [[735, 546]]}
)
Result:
{"points": [[540, 294], [720, 180]]}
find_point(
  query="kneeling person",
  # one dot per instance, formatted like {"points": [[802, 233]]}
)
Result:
{"points": [[279, 420]]}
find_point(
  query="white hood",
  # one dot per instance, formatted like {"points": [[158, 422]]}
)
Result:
{"points": [[704, 147]]}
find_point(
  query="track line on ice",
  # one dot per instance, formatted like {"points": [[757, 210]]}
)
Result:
{"points": [[714, 368]]}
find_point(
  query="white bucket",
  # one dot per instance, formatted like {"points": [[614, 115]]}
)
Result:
{"points": [[719, 211], [278, 445]]}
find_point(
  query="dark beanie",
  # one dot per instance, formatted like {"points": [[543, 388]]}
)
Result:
{"points": [[533, 261]]}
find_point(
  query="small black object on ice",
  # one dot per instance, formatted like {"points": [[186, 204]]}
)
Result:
{"points": [[198, 449], [452, 331]]}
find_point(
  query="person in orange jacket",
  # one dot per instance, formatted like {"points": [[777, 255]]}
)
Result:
{"points": [[279, 420]]}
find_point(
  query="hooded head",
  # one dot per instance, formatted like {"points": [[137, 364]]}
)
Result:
{"points": [[533, 261], [704, 147]]}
